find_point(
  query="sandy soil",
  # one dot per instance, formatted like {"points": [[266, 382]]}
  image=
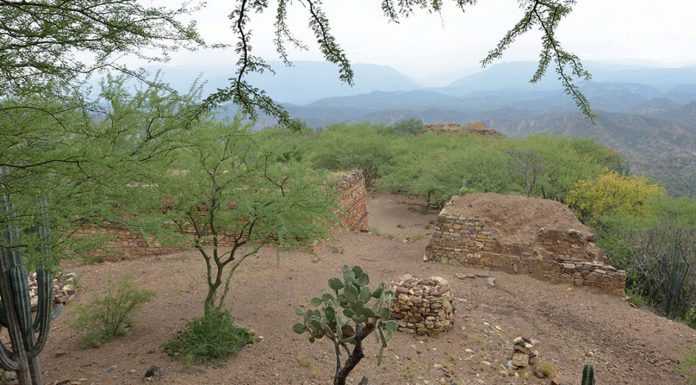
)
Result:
{"points": [[574, 326]]}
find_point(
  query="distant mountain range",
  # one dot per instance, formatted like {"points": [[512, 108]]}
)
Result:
{"points": [[302, 83], [649, 114]]}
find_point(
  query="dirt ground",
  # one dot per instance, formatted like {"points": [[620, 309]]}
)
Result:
{"points": [[573, 326]]}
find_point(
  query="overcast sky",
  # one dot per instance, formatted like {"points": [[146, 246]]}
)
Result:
{"points": [[435, 49]]}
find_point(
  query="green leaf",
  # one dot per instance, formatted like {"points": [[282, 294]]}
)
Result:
{"points": [[299, 311], [316, 326], [299, 328], [365, 294], [315, 301], [384, 313], [349, 276], [369, 312], [348, 313], [358, 271], [335, 284], [378, 293], [328, 298], [391, 325], [363, 280], [351, 293], [330, 314], [341, 319]]}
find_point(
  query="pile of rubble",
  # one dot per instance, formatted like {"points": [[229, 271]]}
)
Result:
{"points": [[523, 353], [64, 289], [423, 306]]}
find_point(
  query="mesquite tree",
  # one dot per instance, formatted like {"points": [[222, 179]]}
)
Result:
{"points": [[41, 40], [228, 195], [347, 317]]}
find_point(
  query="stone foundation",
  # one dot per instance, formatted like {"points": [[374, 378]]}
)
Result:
{"points": [[554, 255], [352, 200], [423, 306]]}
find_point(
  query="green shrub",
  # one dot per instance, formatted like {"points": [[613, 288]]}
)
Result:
{"points": [[635, 298], [690, 317], [112, 315], [208, 339], [662, 267], [343, 147], [408, 127]]}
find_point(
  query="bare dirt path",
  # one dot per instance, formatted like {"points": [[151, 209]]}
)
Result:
{"points": [[628, 345]]}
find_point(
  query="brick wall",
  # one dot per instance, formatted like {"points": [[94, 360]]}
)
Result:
{"points": [[556, 256], [352, 199]]}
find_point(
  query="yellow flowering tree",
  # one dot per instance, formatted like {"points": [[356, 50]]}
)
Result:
{"points": [[613, 194]]}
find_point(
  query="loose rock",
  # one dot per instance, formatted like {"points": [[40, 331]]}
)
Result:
{"points": [[153, 371]]}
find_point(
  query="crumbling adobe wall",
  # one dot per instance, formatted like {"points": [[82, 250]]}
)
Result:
{"points": [[519, 235], [122, 243], [352, 192]]}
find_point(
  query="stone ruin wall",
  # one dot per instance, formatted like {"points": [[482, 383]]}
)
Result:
{"points": [[125, 244], [454, 128], [467, 241], [353, 200], [122, 243]]}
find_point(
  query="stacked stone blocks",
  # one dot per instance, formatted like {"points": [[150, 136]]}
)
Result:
{"points": [[564, 256], [423, 306]]}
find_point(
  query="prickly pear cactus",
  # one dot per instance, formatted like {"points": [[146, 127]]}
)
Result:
{"points": [[346, 316]]}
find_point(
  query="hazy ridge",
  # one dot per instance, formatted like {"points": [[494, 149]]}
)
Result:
{"points": [[649, 114]]}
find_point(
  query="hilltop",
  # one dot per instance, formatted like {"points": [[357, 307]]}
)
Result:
{"points": [[573, 326]]}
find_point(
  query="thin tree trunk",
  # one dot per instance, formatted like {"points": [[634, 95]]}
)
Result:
{"points": [[352, 361]]}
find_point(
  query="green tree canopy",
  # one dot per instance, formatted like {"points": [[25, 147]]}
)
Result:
{"points": [[48, 43], [228, 195]]}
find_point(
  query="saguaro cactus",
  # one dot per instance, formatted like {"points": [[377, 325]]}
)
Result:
{"points": [[588, 375], [27, 336]]}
